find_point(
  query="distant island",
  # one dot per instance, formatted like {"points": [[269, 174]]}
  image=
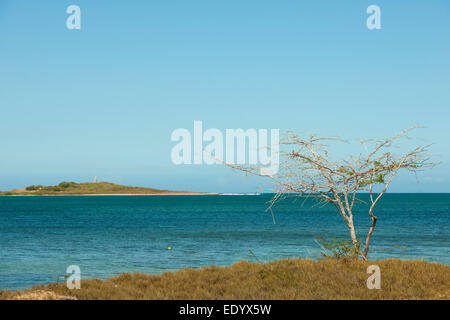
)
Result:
{"points": [[91, 188]]}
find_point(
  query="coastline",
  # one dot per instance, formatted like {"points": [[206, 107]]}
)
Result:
{"points": [[95, 189], [111, 194], [156, 231]]}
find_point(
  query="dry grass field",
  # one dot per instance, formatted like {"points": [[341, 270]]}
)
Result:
{"points": [[283, 279]]}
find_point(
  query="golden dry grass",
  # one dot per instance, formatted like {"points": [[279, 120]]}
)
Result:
{"points": [[283, 279]]}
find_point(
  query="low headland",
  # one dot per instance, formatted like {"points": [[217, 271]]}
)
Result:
{"points": [[286, 279], [92, 188]]}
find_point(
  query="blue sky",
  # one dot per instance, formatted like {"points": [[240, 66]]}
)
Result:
{"points": [[105, 99]]}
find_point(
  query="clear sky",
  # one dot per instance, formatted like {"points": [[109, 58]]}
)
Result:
{"points": [[104, 100]]}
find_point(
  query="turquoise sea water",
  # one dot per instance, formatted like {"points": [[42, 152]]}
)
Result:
{"points": [[107, 235]]}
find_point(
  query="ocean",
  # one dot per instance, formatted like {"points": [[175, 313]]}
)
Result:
{"points": [[108, 235]]}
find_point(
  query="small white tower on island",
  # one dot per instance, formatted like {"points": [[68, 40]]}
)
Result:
{"points": [[95, 179]]}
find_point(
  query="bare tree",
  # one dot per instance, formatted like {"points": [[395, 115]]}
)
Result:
{"points": [[307, 169]]}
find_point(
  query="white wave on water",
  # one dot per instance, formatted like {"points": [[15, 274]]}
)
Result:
{"points": [[240, 194]]}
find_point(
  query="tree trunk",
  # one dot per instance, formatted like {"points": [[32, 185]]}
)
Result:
{"points": [[369, 235], [353, 234]]}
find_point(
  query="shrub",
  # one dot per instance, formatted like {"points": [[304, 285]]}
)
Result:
{"points": [[339, 249], [66, 185], [34, 188]]}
